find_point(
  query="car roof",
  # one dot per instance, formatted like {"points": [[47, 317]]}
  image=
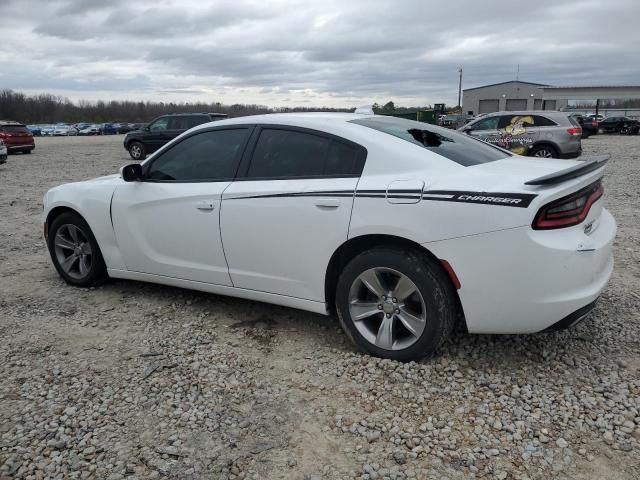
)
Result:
{"points": [[10, 122], [307, 119]]}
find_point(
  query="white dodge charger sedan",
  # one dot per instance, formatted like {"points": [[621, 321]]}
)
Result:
{"points": [[400, 227]]}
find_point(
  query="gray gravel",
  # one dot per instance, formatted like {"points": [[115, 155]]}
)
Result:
{"points": [[140, 381]]}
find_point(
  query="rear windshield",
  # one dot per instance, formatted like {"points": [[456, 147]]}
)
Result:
{"points": [[14, 129], [575, 121], [460, 148]]}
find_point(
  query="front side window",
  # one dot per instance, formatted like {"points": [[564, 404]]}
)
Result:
{"points": [[159, 125], [208, 156], [490, 123], [457, 147]]}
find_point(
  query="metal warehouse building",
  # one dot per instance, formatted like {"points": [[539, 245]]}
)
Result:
{"points": [[514, 95]]}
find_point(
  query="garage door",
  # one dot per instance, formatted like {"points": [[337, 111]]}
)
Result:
{"points": [[514, 104], [549, 104], [489, 106], [537, 104]]}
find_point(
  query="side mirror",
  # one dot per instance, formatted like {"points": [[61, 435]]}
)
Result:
{"points": [[468, 130], [131, 172]]}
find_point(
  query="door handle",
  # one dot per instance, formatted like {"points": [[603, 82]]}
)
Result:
{"points": [[327, 203], [206, 205]]}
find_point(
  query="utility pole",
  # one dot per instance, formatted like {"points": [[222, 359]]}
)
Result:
{"points": [[460, 90]]}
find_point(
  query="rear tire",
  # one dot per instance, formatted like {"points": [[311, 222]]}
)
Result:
{"points": [[411, 314], [544, 151], [137, 151], [75, 252], [28, 151]]}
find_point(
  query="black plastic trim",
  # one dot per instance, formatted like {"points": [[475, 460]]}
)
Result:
{"points": [[594, 163], [572, 319]]}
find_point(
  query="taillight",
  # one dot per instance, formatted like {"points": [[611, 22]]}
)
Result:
{"points": [[574, 131], [594, 124], [4, 134], [570, 210]]}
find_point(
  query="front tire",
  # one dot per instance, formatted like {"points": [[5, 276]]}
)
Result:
{"points": [[137, 151], [396, 304], [75, 252]]}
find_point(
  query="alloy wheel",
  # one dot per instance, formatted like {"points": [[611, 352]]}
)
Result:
{"points": [[73, 251], [544, 153], [387, 308], [136, 151]]}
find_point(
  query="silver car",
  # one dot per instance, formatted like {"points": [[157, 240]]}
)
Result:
{"points": [[536, 133], [3, 152]]}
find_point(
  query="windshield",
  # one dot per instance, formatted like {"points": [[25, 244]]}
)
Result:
{"points": [[460, 148]]}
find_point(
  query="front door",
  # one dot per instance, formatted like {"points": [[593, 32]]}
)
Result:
{"points": [[169, 223], [284, 219]]}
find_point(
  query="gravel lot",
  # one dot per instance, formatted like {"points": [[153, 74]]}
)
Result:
{"points": [[132, 380]]}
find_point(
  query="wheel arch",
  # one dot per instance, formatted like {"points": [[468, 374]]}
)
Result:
{"points": [[354, 246], [545, 143], [55, 212]]}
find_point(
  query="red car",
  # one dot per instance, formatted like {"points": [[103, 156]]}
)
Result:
{"points": [[16, 137]]}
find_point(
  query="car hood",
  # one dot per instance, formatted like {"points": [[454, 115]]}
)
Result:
{"points": [[106, 178]]}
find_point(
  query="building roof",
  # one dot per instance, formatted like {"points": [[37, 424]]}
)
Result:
{"points": [[505, 83], [550, 87]]}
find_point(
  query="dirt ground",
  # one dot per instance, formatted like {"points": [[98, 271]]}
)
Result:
{"points": [[132, 380]]}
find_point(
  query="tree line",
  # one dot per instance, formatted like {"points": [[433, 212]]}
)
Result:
{"points": [[47, 108]]}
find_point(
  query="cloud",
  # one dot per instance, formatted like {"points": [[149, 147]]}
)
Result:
{"points": [[299, 52]]}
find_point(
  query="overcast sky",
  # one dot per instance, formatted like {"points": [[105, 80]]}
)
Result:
{"points": [[311, 53]]}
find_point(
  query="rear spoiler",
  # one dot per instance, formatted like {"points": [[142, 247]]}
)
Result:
{"points": [[589, 165]]}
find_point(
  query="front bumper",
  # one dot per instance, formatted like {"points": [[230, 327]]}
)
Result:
{"points": [[524, 281]]}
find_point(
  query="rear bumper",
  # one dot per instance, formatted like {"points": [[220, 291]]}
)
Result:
{"points": [[525, 281], [571, 154], [573, 318]]}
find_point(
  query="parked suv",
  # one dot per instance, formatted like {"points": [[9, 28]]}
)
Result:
{"points": [[16, 137], [537, 133], [162, 130]]}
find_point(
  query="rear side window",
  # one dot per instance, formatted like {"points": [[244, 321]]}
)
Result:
{"points": [[178, 123], [540, 121], [459, 148], [208, 156], [295, 154], [195, 120]]}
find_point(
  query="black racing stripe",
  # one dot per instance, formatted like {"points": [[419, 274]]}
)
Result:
{"points": [[338, 193], [502, 199]]}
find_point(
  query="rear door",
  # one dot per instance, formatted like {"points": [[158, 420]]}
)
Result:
{"points": [[517, 133], [177, 125], [284, 218]]}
